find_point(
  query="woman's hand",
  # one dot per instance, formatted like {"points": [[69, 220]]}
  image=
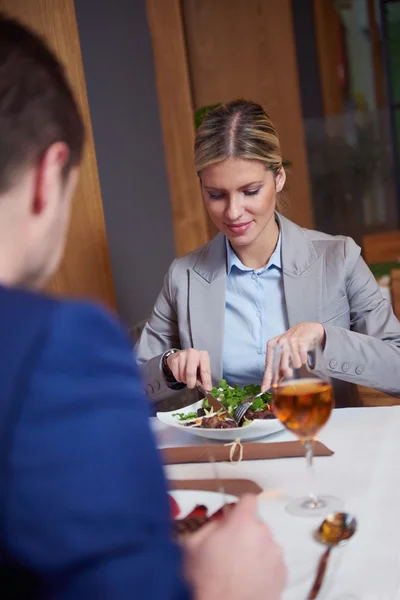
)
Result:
{"points": [[189, 365], [295, 343]]}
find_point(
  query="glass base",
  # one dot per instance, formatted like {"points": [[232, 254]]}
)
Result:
{"points": [[319, 506]]}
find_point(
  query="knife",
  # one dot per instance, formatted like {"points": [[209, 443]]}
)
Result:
{"points": [[214, 403]]}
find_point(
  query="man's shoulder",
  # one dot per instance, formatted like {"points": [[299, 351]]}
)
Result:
{"points": [[19, 305], [33, 323], [21, 309], [24, 317]]}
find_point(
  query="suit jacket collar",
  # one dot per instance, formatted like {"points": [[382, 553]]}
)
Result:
{"points": [[298, 252], [211, 262]]}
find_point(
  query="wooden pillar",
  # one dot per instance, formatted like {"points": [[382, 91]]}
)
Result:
{"points": [[85, 270], [328, 36], [177, 119]]}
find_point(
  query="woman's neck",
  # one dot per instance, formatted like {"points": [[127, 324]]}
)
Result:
{"points": [[256, 255]]}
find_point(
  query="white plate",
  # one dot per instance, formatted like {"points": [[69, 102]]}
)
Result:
{"points": [[256, 430], [188, 499]]}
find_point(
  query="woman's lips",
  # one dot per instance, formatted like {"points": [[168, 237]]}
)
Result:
{"points": [[240, 228]]}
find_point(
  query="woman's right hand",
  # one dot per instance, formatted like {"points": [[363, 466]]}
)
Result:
{"points": [[188, 366]]}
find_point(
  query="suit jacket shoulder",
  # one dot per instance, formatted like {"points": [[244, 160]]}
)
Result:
{"points": [[82, 494], [336, 248], [301, 247]]}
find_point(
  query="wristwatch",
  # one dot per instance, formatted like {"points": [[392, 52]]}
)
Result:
{"points": [[169, 378]]}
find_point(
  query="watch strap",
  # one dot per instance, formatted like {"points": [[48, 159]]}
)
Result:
{"points": [[168, 376]]}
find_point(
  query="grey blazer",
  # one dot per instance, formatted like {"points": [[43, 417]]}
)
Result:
{"points": [[325, 280]]}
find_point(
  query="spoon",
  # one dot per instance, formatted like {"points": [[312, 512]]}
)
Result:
{"points": [[335, 530]]}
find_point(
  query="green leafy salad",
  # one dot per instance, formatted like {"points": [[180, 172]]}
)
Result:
{"points": [[231, 397]]}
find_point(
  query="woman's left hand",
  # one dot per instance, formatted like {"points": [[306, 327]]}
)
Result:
{"points": [[296, 342]]}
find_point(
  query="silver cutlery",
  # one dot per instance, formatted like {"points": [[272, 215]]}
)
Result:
{"points": [[244, 407], [215, 404], [335, 530]]}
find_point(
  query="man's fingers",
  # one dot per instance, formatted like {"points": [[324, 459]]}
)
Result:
{"points": [[195, 539], [245, 508]]}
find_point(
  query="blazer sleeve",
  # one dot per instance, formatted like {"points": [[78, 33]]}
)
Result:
{"points": [[161, 333], [369, 353], [87, 511]]}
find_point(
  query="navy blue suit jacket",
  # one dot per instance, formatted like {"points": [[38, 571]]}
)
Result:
{"points": [[83, 507]]}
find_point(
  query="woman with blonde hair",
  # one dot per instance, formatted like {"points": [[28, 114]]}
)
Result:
{"points": [[263, 280]]}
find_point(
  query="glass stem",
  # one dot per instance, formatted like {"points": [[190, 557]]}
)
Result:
{"points": [[313, 500]]}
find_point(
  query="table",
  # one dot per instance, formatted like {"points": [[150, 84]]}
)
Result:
{"points": [[364, 472]]}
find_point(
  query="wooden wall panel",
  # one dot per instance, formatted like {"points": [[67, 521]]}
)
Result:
{"points": [[177, 118], [85, 270], [246, 49], [328, 36]]}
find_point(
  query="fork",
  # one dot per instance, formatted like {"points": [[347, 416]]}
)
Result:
{"points": [[244, 407]]}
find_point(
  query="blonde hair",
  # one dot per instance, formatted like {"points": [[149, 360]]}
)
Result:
{"points": [[238, 129]]}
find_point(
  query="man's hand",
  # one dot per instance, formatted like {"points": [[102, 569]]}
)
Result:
{"points": [[236, 558]]}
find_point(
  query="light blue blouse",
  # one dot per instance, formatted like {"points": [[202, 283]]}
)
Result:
{"points": [[255, 312]]}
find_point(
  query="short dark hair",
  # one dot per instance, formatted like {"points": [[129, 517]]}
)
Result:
{"points": [[37, 106]]}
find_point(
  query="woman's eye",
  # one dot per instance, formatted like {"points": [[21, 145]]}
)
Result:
{"points": [[251, 192], [215, 196]]}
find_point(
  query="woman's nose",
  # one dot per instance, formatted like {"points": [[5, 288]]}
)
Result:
{"points": [[234, 209]]}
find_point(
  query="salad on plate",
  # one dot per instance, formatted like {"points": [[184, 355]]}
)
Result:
{"points": [[230, 397]]}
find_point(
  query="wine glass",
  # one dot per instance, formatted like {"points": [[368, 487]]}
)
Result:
{"points": [[303, 401]]}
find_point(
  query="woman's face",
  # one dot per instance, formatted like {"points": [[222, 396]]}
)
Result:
{"points": [[240, 197]]}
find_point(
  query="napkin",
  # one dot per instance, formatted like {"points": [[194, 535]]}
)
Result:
{"points": [[249, 451], [235, 487]]}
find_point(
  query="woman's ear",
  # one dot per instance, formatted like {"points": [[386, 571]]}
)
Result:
{"points": [[280, 179]]}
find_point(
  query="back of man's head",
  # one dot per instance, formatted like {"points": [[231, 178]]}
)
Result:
{"points": [[37, 107]]}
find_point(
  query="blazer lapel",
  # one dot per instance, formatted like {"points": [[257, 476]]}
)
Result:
{"points": [[302, 275], [207, 285]]}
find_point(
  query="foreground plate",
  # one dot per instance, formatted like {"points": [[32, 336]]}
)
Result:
{"points": [[188, 499], [256, 430]]}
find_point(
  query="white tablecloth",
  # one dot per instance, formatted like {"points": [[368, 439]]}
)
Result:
{"points": [[364, 472]]}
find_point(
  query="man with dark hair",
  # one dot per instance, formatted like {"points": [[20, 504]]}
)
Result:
{"points": [[83, 504]]}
